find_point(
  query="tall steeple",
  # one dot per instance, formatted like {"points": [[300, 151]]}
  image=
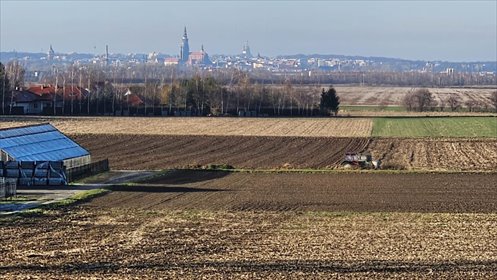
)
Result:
{"points": [[246, 50], [50, 53], [185, 48]]}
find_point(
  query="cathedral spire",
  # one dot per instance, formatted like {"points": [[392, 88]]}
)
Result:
{"points": [[185, 48]]}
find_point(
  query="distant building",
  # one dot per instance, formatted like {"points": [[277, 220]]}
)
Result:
{"points": [[50, 54], [133, 99], [246, 51], [171, 61], [152, 58], [199, 58], [39, 98], [190, 58], [185, 48]]}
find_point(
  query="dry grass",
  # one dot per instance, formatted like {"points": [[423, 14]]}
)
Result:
{"points": [[317, 127], [355, 95]]}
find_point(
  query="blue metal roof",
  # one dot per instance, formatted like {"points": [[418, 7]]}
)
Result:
{"points": [[39, 142]]}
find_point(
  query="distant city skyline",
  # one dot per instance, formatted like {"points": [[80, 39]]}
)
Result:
{"points": [[440, 30]]}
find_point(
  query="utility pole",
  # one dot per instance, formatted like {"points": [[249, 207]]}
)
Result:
{"points": [[55, 91], [4, 81]]}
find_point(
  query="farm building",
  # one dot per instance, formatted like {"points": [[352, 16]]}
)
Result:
{"points": [[41, 142]]}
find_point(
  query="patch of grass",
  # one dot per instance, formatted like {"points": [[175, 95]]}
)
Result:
{"points": [[15, 199], [435, 127], [77, 198], [95, 178]]}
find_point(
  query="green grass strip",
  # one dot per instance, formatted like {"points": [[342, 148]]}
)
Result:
{"points": [[435, 127]]}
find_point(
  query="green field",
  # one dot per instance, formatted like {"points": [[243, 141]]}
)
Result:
{"points": [[436, 127]]}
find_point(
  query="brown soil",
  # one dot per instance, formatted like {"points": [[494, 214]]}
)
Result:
{"points": [[436, 154], [170, 231], [160, 152], [215, 190]]}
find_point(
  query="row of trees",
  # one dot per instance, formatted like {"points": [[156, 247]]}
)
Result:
{"points": [[109, 93], [228, 92], [422, 100]]}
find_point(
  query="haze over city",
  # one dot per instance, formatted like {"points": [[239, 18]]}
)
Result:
{"points": [[440, 30]]}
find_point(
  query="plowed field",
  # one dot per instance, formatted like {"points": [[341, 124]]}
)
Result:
{"points": [[209, 190], [160, 152], [249, 226], [436, 154]]}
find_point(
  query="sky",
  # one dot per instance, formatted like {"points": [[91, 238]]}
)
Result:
{"points": [[418, 30]]}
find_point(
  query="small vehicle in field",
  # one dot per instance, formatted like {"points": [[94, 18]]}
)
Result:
{"points": [[362, 160]]}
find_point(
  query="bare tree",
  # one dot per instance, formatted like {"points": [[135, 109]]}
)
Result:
{"points": [[470, 104], [409, 100], [420, 100], [454, 102], [493, 99]]}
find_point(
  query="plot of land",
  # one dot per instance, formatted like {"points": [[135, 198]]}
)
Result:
{"points": [[161, 152], [382, 96], [209, 190], [241, 225], [319, 127], [436, 154], [436, 127]]}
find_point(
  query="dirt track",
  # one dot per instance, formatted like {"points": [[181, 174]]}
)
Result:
{"points": [[209, 190], [160, 152]]}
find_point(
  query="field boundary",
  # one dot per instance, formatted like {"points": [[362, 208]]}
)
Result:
{"points": [[312, 171]]}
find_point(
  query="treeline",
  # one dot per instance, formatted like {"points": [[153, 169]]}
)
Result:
{"points": [[109, 94], [422, 100], [159, 90]]}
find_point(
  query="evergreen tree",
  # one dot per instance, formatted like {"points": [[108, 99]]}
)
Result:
{"points": [[330, 101]]}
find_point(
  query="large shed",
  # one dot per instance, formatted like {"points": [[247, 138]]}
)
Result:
{"points": [[41, 142]]}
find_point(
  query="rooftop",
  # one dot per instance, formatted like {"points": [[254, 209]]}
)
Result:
{"points": [[42, 142]]}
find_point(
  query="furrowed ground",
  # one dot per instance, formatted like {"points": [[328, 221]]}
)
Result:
{"points": [[448, 143], [174, 151], [277, 226], [260, 224]]}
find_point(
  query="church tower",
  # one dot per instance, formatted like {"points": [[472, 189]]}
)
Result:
{"points": [[185, 48], [50, 54]]}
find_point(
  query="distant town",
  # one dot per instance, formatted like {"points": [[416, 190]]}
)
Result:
{"points": [[39, 65]]}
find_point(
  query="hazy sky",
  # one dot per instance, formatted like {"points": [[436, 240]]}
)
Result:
{"points": [[427, 30]]}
